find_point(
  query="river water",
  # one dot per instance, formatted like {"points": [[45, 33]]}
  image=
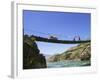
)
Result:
{"points": [[67, 63]]}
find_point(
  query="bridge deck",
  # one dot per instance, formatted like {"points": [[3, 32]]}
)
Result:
{"points": [[58, 41]]}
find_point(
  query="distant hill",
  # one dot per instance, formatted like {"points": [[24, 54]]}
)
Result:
{"points": [[79, 52], [46, 55]]}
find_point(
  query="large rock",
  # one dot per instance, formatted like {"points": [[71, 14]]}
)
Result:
{"points": [[86, 53], [31, 55]]}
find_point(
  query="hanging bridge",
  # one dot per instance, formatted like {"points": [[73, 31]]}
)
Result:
{"points": [[42, 39], [53, 39]]}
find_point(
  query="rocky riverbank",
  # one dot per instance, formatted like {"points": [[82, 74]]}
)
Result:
{"points": [[31, 55], [80, 52]]}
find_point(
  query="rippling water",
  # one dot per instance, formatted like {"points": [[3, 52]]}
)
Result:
{"points": [[67, 63]]}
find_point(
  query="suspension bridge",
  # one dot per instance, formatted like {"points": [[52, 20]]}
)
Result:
{"points": [[53, 39], [42, 39]]}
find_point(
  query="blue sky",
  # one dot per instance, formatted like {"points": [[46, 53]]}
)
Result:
{"points": [[63, 25]]}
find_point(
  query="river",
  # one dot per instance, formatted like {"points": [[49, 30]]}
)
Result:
{"points": [[67, 63]]}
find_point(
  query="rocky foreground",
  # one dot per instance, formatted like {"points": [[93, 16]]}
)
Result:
{"points": [[80, 52], [31, 55]]}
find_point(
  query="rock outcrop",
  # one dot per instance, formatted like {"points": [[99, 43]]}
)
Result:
{"points": [[79, 52], [86, 53], [31, 55]]}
